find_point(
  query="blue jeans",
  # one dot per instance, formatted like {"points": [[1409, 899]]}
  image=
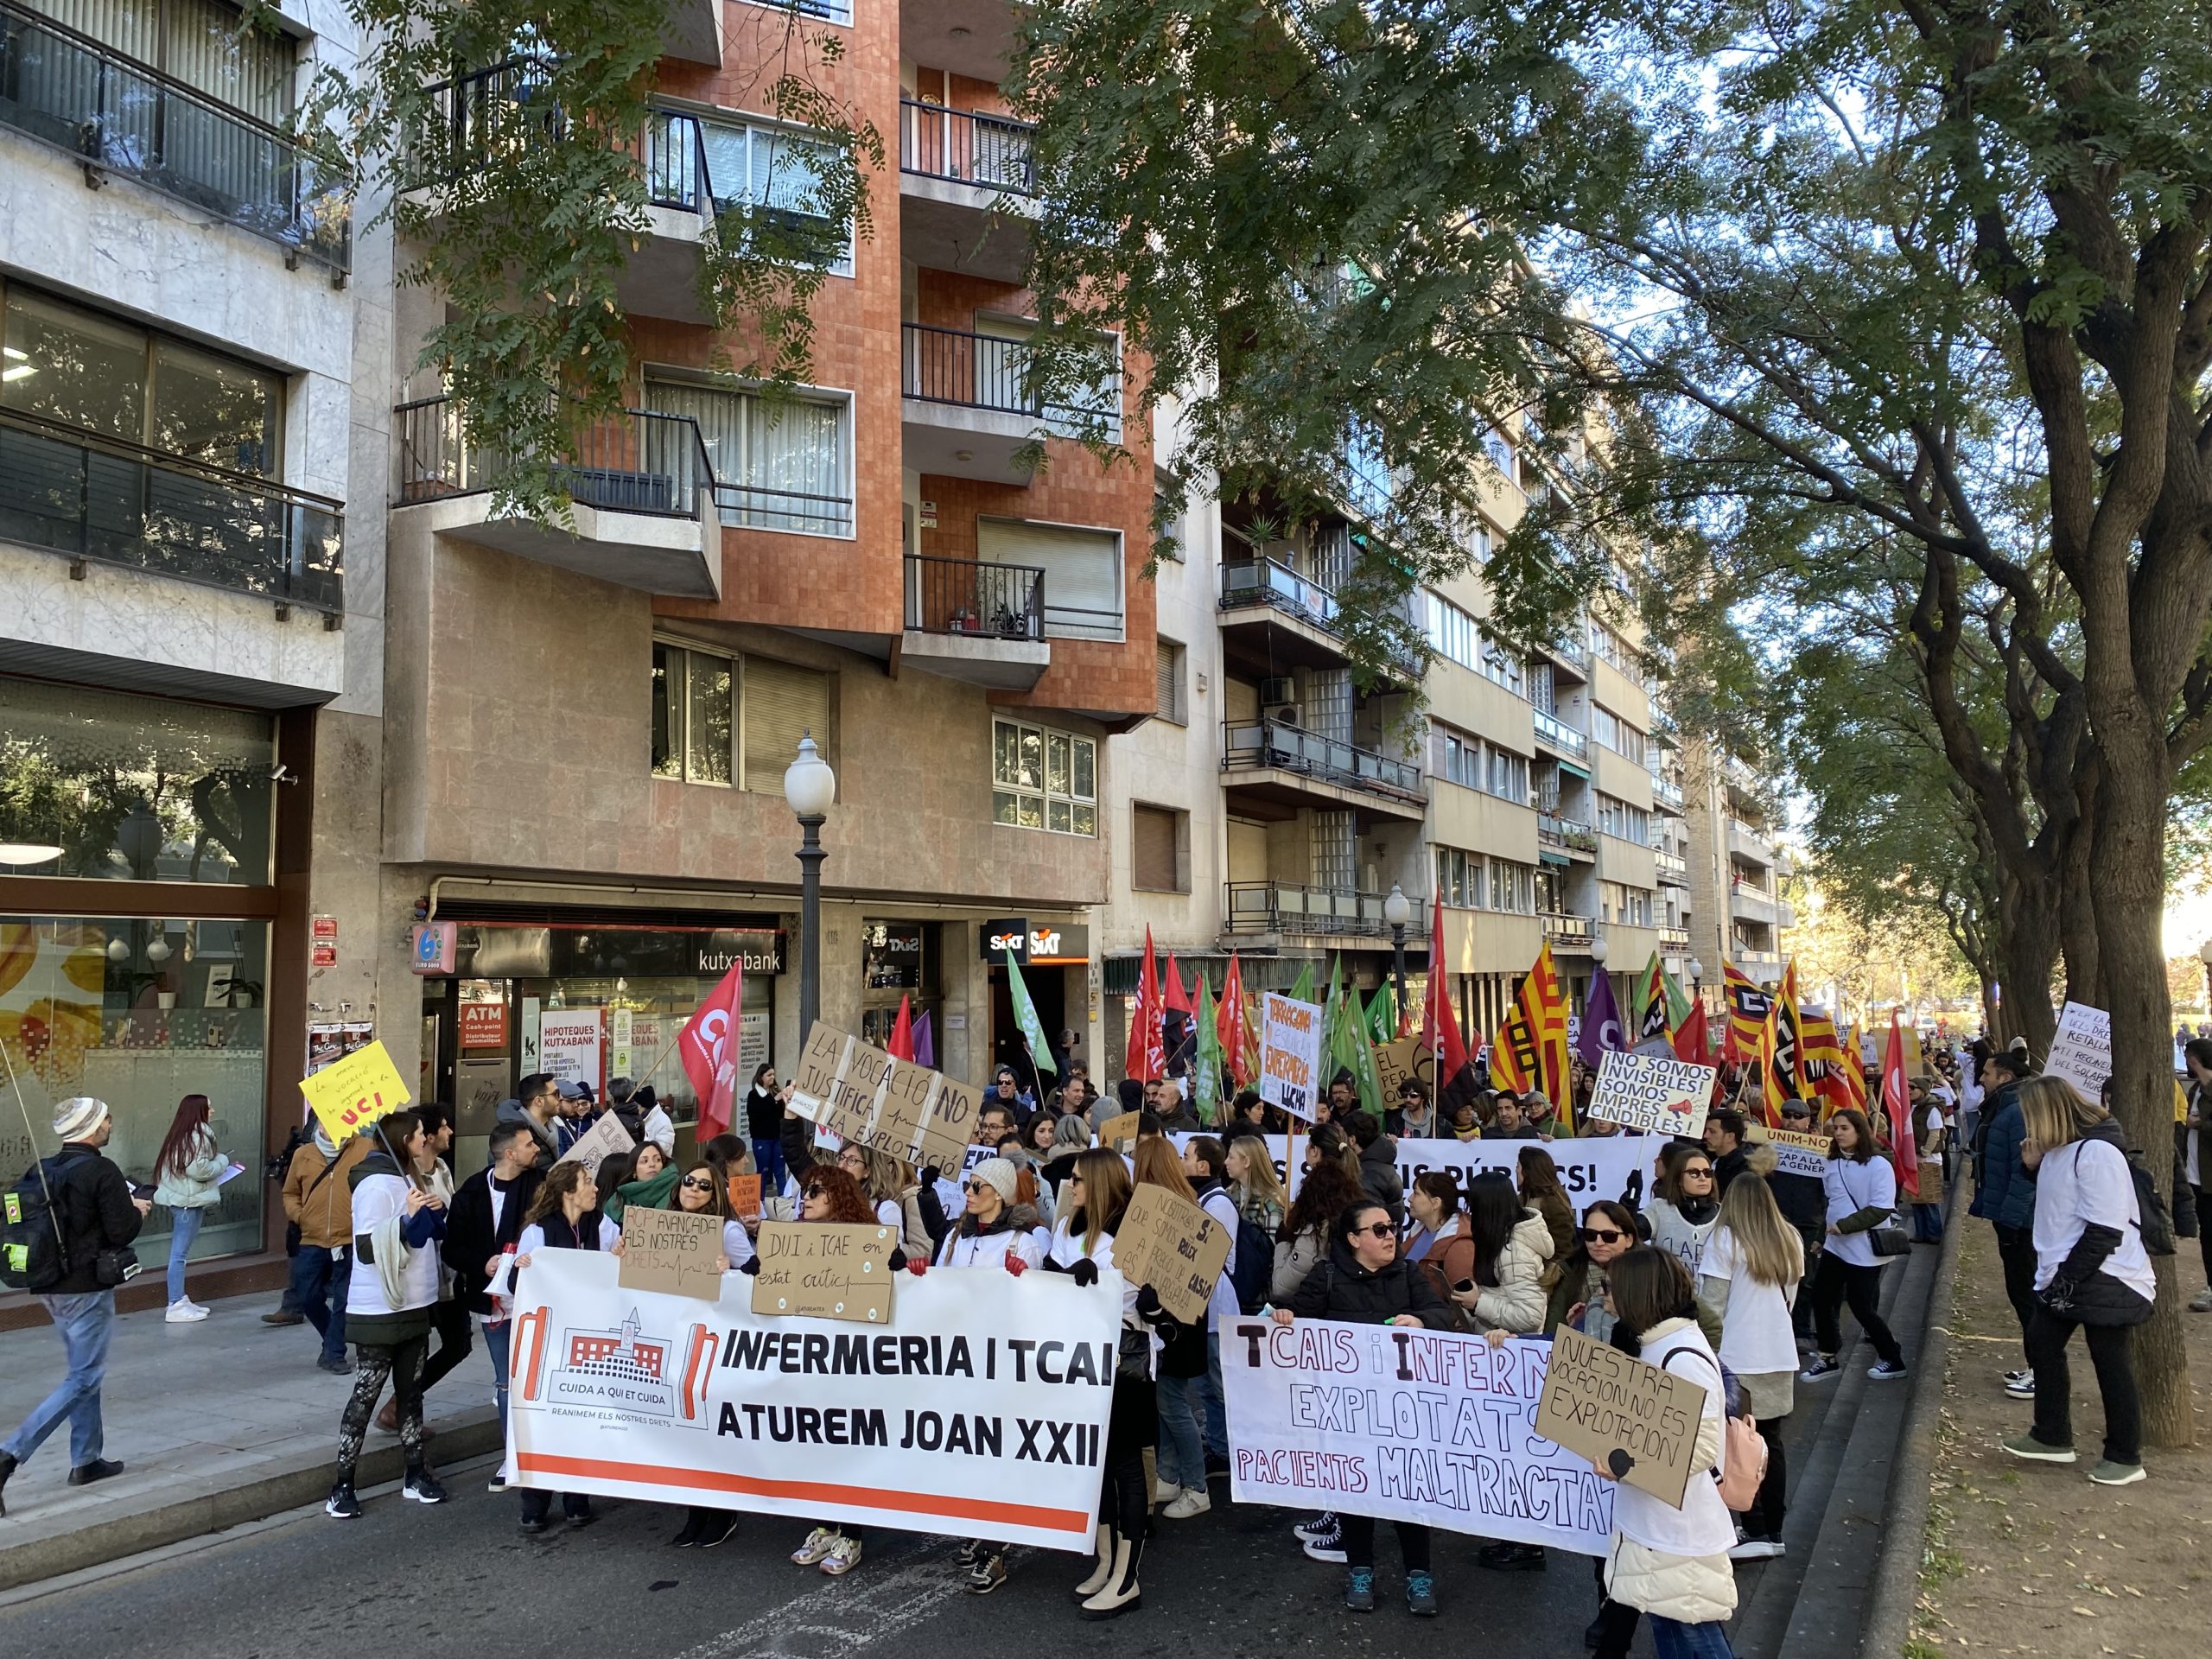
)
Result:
{"points": [[1181, 1461], [84, 1322], [1217, 1418], [495, 1344], [768, 1160], [1676, 1640], [1928, 1224], [318, 1290], [184, 1227]]}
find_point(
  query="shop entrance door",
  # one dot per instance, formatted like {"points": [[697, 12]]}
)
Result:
{"points": [[1048, 989]]}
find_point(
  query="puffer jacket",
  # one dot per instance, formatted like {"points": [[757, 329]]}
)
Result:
{"points": [[1342, 1289], [195, 1186], [1516, 1302], [2004, 1187], [1379, 1177], [1691, 1589], [1295, 1259]]}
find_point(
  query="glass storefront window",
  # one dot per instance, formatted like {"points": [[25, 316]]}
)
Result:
{"points": [[141, 1012], [106, 783], [898, 960]]}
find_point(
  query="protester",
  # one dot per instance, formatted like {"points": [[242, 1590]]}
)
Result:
{"points": [[1415, 1118], [1608, 1232], [1248, 1113], [1070, 1139], [1176, 1116], [1803, 1200], [764, 1122], [994, 1231], [1466, 1124], [1302, 1242], [1505, 1295], [389, 1294], [1862, 1193], [1725, 1131], [1542, 1191], [1365, 1281], [1670, 1561], [1330, 1143], [2004, 1196], [319, 1200], [1260, 1200], [538, 1104], [1041, 1137], [639, 1112], [2197, 1055], [1205, 1166], [648, 1162], [1684, 1205], [1511, 1123], [483, 1227], [563, 1216], [2091, 1271], [1930, 1144], [702, 1189], [1181, 1370], [1746, 1285], [1439, 1240], [449, 1320], [1378, 1165], [188, 1182], [92, 1200]]}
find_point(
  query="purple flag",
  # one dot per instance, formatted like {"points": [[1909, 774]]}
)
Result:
{"points": [[924, 1042], [1602, 1033]]}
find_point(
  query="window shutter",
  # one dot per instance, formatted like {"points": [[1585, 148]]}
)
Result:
{"points": [[780, 703], [1169, 667], [1083, 573], [1152, 850]]}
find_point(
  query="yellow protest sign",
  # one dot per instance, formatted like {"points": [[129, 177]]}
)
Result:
{"points": [[349, 1093]]}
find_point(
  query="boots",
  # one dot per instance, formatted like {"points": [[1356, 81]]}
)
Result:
{"points": [[1120, 1594], [1102, 1571]]}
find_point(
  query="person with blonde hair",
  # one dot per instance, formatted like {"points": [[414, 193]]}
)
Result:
{"points": [[1747, 1285], [2091, 1271], [1260, 1198]]}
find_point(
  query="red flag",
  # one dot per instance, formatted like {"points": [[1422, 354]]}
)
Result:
{"points": [[901, 1046], [1690, 1041], [1439, 1026], [1896, 1099], [1147, 1054], [708, 1049], [1229, 1025], [1176, 999]]}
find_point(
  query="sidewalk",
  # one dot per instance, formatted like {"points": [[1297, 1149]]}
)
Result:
{"points": [[216, 1424]]}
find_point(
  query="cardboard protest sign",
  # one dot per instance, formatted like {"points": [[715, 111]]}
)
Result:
{"points": [[745, 1197], [672, 1251], [860, 1092], [825, 1270], [1631, 1419], [1290, 1053], [599, 1143], [1655, 1094], [1174, 1246], [351, 1093], [1402, 1062], [1118, 1132], [1798, 1154], [2081, 1051]]}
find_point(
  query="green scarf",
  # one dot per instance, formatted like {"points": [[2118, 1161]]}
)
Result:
{"points": [[658, 1193]]}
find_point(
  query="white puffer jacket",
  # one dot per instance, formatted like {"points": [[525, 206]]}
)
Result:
{"points": [[195, 1186], [1516, 1303], [1692, 1589]]}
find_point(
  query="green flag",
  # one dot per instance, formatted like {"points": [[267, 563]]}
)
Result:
{"points": [[1206, 1064], [1382, 1016], [1344, 1041], [1303, 990], [1025, 1015]]}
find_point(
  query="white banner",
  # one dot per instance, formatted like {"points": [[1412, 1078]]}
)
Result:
{"points": [[1290, 1054], [980, 1412], [1590, 1167], [1404, 1424], [2081, 1050], [1656, 1093]]}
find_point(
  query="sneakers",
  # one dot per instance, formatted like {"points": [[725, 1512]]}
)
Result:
{"points": [[844, 1557], [1359, 1589], [422, 1486], [1819, 1369], [819, 1543], [987, 1573], [497, 1482], [1421, 1595], [532, 1525], [340, 1366], [1758, 1549], [969, 1553], [341, 1504], [186, 1311], [2021, 1385], [1193, 1500], [2202, 1302], [716, 1529], [1887, 1370], [1324, 1524], [1327, 1546], [99, 1469], [2026, 1445], [2108, 1473]]}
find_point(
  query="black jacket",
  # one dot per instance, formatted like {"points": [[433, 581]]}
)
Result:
{"points": [[1728, 1167], [764, 1114], [1342, 1289], [1379, 1180], [97, 1214], [471, 1240]]}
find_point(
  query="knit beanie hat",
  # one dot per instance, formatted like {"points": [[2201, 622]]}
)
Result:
{"points": [[1000, 1174], [78, 1116]]}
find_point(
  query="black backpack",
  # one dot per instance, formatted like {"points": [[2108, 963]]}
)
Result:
{"points": [[2157, 1225], [34, 1256]]}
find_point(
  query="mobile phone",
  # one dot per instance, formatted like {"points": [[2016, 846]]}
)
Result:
{"points": [[145, 1192], [1466, 1287]]}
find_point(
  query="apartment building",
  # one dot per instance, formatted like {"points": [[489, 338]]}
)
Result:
{"points": [[1737, 865], [192, 638]]}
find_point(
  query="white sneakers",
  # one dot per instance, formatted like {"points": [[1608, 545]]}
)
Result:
{"points": [[1191, 1501], [185, 1312]]}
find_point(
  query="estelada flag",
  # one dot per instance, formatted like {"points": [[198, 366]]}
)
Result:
{"points": [[1230, 1026], [1896, 1100], [708, 1050], [1747, 1010]]}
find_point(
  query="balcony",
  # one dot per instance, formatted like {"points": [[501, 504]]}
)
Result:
{"points": [[1572, 656], [1675, 939], [983, 624], [1749, 844], [641, 491], [966, 191], [1754, 962], [119, 116], [1673, 870], [1566, 932], [1568, 834], [968, 410], [1287, 909], [1272, 764], [1667, 793], [1558, 736], [89, 497]]}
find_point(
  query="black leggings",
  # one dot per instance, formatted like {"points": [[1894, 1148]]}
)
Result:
{"points": [[401, 1364], [1763, 1518], [2204, 1228], [1123, 1498], [1617, 1620], [1836, 1281], [2016, 1254], [1359, 1542], [450, 1320]]}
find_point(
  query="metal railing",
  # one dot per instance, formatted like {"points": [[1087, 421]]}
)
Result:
{"points": [[1246, 744], [1674, 938], [1558, 832], [635, 461], [1557, 733], [1561, 929], [758, 506], [972, 371], [1745, 957], [966, 596], [1667, 792], [967, 146], [92, 497], [507, 108], [124, 117], [1266, 582], [1672, 868], [1289, 907]]}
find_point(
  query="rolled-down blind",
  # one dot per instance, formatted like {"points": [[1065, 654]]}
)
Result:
{"points": [[1083, 573], [1152, 850], [1169, 668], [781, 704]]}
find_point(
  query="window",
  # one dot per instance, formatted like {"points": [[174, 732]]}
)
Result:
{"points": [[780, 464], [1629, 906], [1168, 664], [1626, 823], [1453, 632], [1499, 448], [1170, 538], [1512, 887], [1453, 881], [1158, 861], [1616, 733], [1474, 763], [1501, 665], [748, 165], [1609, 647], [208, 45], [1083, 573], [1471, 882], [718, 717], [1043, 779]]}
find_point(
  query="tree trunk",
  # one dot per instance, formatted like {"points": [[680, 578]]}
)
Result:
{"points": [[2077, 917], [2028, 938]]}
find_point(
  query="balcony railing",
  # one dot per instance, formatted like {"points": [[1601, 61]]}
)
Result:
{"points": [[1557, 831], [1561, 929], [950, 365], [1747, 957], [1667, 792], [507, 108], [967, 597], [1287, 907], [1248, 743], [1674, 939], [1265, 581], [90, 497], [633, 461], [967, 146], [1672, 868], [1555, 734], [124, 117]]}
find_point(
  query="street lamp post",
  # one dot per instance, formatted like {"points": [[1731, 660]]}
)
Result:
{"points": [[1398, 913], [1697, 978], [809, 787]]}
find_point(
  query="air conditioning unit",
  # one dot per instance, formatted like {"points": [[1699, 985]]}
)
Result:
{"points": [[1281, 689], [1280, 714]]}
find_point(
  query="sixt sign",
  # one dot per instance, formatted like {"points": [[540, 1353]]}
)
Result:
{"points": [[1051, 943]]}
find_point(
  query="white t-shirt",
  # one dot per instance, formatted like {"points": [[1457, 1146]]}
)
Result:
{"points": [[2089, 1182], [1852, 1186], [1755, 1334]]}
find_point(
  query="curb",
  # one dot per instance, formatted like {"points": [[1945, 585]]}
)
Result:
{"points": [[1896, 1588], [303, 1482]]}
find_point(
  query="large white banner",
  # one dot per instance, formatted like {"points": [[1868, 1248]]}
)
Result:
{"points": [[1404, 1424], [980, 1411], [1590, 1167]]}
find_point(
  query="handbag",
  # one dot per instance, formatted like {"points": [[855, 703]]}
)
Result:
{"points": [[1888, 1238]]}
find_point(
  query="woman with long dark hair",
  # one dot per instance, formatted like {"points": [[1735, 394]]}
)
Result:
{"points": [[764, 1125], [563, 1215], [1862, 1194], [188, 1178], [1512, 1246]]}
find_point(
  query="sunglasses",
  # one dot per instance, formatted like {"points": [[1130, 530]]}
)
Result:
{"points": [[1601, 1236], [974, 1186], [1697, 1174], [698, 1185], [1380, 1229], [815, 1192]]}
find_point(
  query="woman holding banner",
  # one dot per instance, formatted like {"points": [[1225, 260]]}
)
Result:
{"points": [[1503, 1296], [1746, 1285], [1303, 1242], [563, 1215], [1439, 1240], [1685, 1204], [1366, 1281]]}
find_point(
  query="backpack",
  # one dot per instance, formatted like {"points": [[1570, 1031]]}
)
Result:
{"points": [[34, 1256], [1743, 1448], [2157, 1225], [1254, 1277]]}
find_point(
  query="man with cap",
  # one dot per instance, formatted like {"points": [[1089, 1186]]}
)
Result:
{"points": [[93, 1204], [575, 1114]]}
